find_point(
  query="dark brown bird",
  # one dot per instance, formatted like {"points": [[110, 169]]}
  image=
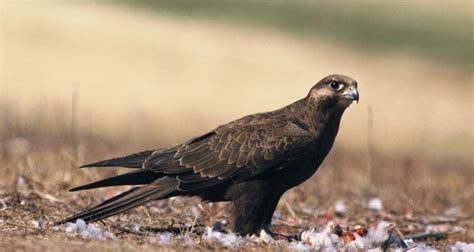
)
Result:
{"points": [[251, 161]]}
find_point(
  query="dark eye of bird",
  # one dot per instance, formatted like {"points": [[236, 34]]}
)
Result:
{"points": [[334, 85]]}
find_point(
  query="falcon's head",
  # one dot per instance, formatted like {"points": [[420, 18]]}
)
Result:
{"points": [[334, 91]]}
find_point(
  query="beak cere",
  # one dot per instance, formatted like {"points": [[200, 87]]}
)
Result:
{"points": [[352, 94]]}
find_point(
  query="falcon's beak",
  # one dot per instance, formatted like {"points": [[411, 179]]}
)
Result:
{"points": [[352, 94]]}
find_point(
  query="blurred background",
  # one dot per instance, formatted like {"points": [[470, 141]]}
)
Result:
{"points": [[88, 80]]}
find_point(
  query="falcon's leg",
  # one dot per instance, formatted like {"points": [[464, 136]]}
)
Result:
{"points": [[253, 206], [272, 204]]}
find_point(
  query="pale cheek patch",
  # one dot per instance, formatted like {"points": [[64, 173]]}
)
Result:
{"points": [[322, 93]]}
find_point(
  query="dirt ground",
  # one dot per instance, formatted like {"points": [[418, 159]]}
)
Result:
{"points": [[28, 214], [83, 82]]}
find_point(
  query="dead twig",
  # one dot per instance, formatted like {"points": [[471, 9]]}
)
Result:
{"points": [[428, 235], [4, 204], [19, 225], [127, 230], [370, 145], [290, 210], [446, 220], [47, 196]]}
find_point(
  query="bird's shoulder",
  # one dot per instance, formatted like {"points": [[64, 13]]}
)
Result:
{"points": [[268, 124]]}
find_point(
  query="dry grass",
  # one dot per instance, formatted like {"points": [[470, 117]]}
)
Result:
{"points": [[147, 82]]}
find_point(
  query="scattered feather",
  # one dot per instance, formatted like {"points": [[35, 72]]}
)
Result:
{"points": [[266, 238], [340, 207], [39, 224], [86, 231], [322, 239], [375, 204], [378, 233], [162, 239], [461, 247], [226, 240]]}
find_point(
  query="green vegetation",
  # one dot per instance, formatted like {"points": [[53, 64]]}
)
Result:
{"points": [[377, 26]]}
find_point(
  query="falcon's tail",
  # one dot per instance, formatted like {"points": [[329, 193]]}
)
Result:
{"points": [[139, 177], [131, 161], [162, 188]]}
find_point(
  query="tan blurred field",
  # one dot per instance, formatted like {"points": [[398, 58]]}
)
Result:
{"points": [[145, 81], [167, 70]]}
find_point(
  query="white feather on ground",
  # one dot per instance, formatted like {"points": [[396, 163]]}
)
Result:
{"points": [[375, 204], [324, 238], [86, 231]]}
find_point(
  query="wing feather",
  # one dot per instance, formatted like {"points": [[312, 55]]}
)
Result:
{"points": [[236, 151], [242, 159], [224, 153], [211, 169], [199, 185]]}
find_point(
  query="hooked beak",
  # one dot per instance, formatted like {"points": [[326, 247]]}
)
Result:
{"points": [[352, 94]]}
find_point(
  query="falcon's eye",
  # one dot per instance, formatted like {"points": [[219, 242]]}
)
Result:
{"points": [[336, 85]]}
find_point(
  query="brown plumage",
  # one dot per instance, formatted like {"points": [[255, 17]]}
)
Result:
{"points": [[251, 161]]}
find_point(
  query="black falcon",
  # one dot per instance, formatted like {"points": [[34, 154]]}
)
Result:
{"points": [[251, 161]]}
